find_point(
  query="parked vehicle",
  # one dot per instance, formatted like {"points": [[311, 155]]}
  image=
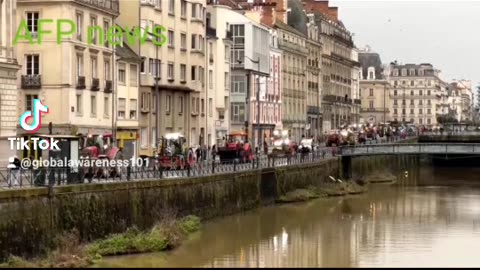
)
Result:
{"points": [[237, 148]]}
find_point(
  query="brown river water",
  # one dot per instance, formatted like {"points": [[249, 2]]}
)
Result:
{"points": [[432, 221]]}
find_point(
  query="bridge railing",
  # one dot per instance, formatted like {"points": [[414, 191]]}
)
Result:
{"points": [[430, 148], [451, 133]]}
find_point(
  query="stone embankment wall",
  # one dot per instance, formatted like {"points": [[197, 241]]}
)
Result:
{"points": [[31, 219]]}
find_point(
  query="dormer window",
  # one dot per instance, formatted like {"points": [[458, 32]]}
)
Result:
{"points": [[404, 72], [420, 72], [395, 72], [412, 72], [371, 73]]}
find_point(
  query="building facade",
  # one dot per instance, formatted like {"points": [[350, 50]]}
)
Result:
{"points": [[337, 65], [8, 76], [220, 83], [172, 76], [75, 72], [416, 93], [374, 89]]}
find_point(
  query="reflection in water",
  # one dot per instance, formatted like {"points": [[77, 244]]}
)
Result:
{"points": [[389, 226]]}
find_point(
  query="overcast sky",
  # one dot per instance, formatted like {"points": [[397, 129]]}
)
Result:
{"points": [[443, 33]]}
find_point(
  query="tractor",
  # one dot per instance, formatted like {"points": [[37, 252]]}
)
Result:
{"points": [[236, 148], [172, 155], [100, 147], [282, 145]]}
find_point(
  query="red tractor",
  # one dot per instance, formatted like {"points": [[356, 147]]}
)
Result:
{"points": [[236, 148], [100, 147], [172, 154]]}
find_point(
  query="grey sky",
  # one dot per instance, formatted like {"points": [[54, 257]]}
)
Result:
{"points": [[443, 33]]}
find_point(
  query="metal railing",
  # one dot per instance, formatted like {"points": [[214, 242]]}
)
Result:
{"points": [[405, 148], [47, 177]]}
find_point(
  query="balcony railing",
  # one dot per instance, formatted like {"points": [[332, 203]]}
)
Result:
{"points": [[95, 84], [358, 101], [109, 5], [81, 82], [31, 81], [212, 32], [108, 86]]}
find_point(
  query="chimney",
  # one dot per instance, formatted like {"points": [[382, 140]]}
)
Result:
{"points": [[321, 7], [333, 12]]}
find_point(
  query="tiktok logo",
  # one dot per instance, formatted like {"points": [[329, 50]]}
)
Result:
{"points": [[38, 109]]}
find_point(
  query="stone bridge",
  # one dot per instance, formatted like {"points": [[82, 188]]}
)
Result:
{"points": [[348, 152]]}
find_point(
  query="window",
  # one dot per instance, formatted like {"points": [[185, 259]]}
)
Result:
{"points": [[144, 137], [412, 72], [29, 102], [371, 92], [107, 70], [420, 102], [210, 107], [194, 73], [210, 79], [428, 93], [142, 66], [238, 84], [371, 104], [171, 39], [133, 109], [395, 83], [121, 73], [154, 137], [183, 72], [79, 65], [133, 75], [395, 111], [238, 56], [429, 102], [412, 102], [183, 41], [168, 102], [403, 112], [32, 22], [420, 111], [93, 105], [238, 34], [154, 103], [79, 104], [227, 80], [194, 41], [180, 105], [194, 10], [202, 106], [238, 112], [170, 71], [412, 93], [412, 111], [420, 121], [429, 111], [395, 92], [121, 108], [32, 64], [171, 7], [106, 26], [93, 23], [79, 26], [106, 106], [429, 121], [420, 92], [201, 75], [183, 8], [94, 67]]}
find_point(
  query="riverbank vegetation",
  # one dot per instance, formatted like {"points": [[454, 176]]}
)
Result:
{"points": [[328, 190], [70, 253]]}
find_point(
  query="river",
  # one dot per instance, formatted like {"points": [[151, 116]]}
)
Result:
{"points": [[434, 222]]}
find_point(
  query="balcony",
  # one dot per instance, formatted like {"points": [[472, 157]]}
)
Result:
{"points": [[313, 110], [211, 32], [357, 101], [31, 81], [81, 82], [95, 84], [106, 5], [108, 86]]}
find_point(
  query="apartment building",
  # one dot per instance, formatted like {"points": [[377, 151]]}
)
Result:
{"points": [[374, 89], [250, 62], [416, 93], [356, 78], [172, 76], [314, 80], [73, 78], [8, 76], [337, 64], [220, 83], [293, 43]]}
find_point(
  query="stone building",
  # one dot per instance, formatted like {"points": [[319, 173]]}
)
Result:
{"points": [[416, 93], [374, 89], [8, 76]]}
